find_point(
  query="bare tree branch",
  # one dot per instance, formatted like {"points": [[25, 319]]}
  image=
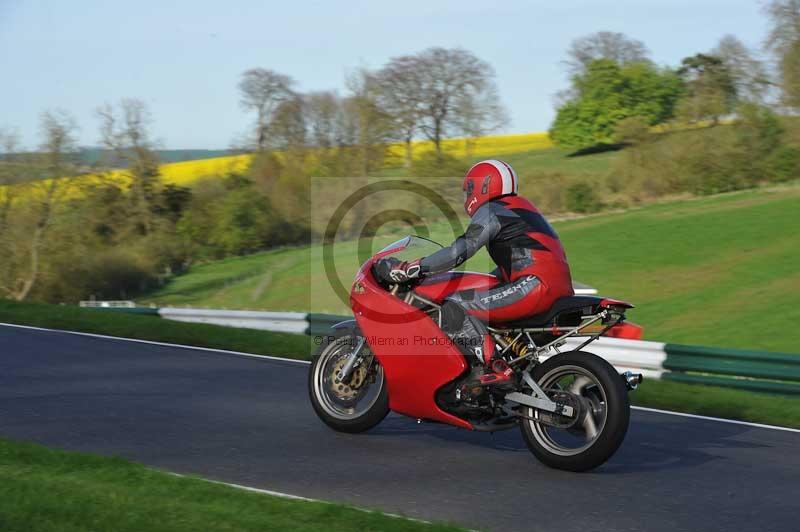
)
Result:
{"points": [[263, 90], [58, 148], [783, 41], [125, 132], [441, 91], [603, 45]]}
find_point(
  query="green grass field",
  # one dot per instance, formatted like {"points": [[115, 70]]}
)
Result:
{"points": [[558, 160], [47, 490], [719, 270], [543, 160]]}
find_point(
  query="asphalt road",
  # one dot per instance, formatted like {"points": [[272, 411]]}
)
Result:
{"points": [[248, 421]]}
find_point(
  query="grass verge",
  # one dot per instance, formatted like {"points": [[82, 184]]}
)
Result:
{"points": [[44, 490], [699, 399], [155, 329]]}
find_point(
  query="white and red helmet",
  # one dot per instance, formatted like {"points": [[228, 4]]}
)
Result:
{"points": [[486, 181]]}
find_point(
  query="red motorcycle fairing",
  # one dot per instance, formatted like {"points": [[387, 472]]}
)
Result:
{"points": [[416, 356], [437, 287]]}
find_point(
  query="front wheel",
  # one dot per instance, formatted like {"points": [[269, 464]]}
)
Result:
{"points": [[353, 406], [592, 386]]}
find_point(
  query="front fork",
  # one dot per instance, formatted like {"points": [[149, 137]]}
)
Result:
{"points": [[350, 364]]}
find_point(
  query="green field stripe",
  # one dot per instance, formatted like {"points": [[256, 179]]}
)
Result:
{"points": [[753, 364], [735, 354]]}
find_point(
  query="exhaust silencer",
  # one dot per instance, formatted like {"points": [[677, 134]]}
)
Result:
{"points": [[632, 380]]}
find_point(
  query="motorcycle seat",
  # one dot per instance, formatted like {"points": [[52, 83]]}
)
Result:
{"points": [[575, 306]]}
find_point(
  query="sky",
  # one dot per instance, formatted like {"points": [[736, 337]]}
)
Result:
{"points": [[184, 58]]}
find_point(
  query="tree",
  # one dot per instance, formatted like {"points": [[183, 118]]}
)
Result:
{"points": [[609, 92], [454, 88], [9, 140], [747, 74], [125, 132], [262, 91], [783, 41], [479, 115], [23, 252], [615, 47], [790, 76], [322, 114], [400, 97], [711, 91], [288, 125], [365, 125], [9, 143], [325, 115]]}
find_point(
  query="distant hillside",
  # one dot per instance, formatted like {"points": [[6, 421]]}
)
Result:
{"points": [[92, 156]]}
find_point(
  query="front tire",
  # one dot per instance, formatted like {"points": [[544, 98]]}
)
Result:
{"points": [[604, 417], [350, 407]]}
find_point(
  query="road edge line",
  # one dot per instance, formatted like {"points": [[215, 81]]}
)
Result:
{"points": [[152, 342], [289, 496], [720, 419]]}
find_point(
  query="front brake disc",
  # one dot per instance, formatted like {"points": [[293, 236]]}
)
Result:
{"points": [[347, 391]]}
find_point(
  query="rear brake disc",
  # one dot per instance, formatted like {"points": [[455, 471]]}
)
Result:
{"points": [[562, 398]]}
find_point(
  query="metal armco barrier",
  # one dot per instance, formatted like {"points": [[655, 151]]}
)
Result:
{"points": [[320, 324], [750, 370], [638, 356], [291, 322]]}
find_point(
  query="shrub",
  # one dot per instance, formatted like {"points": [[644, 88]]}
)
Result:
{"points": [[783, 164], [581, 197], [545, 189], [607, 93]]}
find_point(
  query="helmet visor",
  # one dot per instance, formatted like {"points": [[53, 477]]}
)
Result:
{"points": [[469, 187]]}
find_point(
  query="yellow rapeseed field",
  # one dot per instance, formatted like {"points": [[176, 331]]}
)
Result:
{"points": [[186, 172], [479, 147]]}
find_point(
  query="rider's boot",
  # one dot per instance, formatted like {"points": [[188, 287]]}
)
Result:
{"points": [[496, 371], [494, 374]]}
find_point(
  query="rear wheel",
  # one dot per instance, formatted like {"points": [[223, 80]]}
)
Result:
{"points": [[594, 388], [356, 405]]}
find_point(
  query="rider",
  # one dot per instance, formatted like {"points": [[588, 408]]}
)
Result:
{"points": [[532, 265]]}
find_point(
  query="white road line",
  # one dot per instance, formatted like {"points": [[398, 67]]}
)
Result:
{"points": [[246, 488], [164, 344], [282, 359], [721, 419], [290, 496]]}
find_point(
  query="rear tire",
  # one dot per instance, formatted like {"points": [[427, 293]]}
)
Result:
{"points": [[327, 405], [610, 398]]}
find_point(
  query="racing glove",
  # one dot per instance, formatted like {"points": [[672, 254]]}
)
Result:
{"points": [[391, 270]]}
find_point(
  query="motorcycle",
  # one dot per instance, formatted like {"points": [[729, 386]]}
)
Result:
{"points": [[572, 406]]}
